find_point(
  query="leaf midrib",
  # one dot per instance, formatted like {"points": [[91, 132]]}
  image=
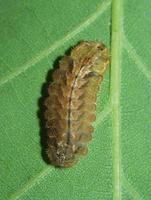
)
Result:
{"points": [[116, 48]]}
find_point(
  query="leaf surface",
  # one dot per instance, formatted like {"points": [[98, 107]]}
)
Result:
{"points": [[33, 35]]}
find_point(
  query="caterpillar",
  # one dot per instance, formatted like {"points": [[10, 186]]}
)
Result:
{"points": [[71, 104]]}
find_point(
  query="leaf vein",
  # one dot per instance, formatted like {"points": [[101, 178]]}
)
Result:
{"points": [[130, 189], [105, 112], [41, 55], [32, 182], [134, 56]]}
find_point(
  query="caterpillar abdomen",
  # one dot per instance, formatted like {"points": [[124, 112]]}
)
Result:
{"points": [[72, 101]]}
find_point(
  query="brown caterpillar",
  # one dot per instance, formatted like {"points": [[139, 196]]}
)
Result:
{"points": [[72, 102]]}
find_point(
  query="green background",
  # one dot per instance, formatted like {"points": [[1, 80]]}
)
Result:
{"points": [[33, 34]]}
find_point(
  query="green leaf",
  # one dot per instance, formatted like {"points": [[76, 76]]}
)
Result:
{"points": [[33, 35]]}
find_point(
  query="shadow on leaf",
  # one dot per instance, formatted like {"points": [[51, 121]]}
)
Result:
{"points": [[41, 111]]}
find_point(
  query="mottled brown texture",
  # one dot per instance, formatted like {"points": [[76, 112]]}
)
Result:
{"points": [[72, 102]]}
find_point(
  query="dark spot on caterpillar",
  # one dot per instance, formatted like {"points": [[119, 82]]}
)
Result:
{"points": [[78, 72]]}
